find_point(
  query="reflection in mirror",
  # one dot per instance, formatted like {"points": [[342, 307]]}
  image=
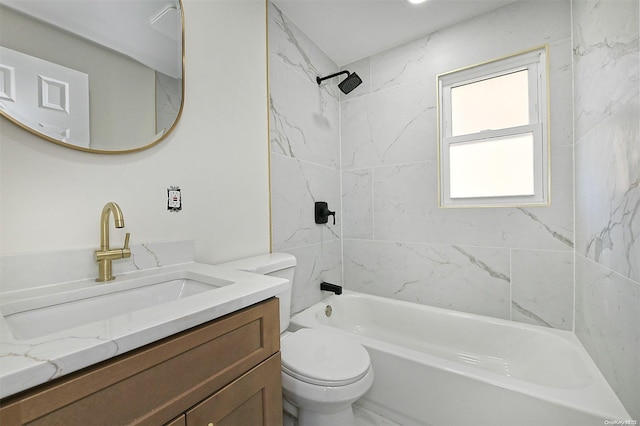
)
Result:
{"points": [[100, 76]]}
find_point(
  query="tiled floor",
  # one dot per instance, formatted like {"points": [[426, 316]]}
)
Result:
{"points": [[364, 417]]}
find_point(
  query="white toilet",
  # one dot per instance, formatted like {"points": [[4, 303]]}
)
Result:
{"points": [[323, 373]]}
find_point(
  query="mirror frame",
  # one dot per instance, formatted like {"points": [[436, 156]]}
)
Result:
{"points": [[124, 151]]}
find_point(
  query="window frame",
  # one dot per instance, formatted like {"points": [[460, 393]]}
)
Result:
{"points": [[536, 61]]}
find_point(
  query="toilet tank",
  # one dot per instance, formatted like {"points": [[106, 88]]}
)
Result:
{"points": [[281, 265]]}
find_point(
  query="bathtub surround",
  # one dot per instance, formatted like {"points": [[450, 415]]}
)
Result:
{"points": [[456, 258], [397, 242], [305, 158], [523, 264], [606, 78]]}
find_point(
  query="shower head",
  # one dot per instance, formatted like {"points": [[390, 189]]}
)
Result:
{"points": [[352, 81]]}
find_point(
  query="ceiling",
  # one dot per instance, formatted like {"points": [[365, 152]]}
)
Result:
{"points": [[348, 30]]}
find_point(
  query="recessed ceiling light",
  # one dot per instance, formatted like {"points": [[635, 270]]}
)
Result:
{"points": [[416, 1]]}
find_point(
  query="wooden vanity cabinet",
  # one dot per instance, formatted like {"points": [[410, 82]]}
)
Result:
{"points": [[246, 401], [225, 372]]}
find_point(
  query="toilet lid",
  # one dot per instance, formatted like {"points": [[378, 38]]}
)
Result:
{"points": [[323, 358]]}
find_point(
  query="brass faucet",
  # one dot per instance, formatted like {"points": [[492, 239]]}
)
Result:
{"points": [[104, 256]]}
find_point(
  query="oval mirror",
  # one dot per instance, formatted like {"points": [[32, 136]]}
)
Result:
{"points": [[101, 76]]}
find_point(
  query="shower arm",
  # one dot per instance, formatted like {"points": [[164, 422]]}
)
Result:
{"points": [[320, 80]]}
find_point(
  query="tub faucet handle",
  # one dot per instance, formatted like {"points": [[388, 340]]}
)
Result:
{"points": [[322, 213]]}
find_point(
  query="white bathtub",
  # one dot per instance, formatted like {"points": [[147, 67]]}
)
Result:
{"points": [[440, 367]]}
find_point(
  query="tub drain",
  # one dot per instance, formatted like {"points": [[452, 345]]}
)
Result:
{"points": [[328, 310]]}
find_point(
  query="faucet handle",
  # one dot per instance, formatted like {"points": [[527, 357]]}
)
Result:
{"points": [[126, 251]]}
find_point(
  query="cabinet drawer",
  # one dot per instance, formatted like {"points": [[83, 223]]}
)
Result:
{"points": [[154, 384], [254, 399]]}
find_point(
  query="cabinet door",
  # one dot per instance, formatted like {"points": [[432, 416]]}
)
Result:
{"points": [[253, 399], [178, 421]]}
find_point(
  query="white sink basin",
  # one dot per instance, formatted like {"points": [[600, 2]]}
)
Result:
{"points": [[39, 316]]}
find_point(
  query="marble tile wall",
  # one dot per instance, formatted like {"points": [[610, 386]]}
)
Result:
{"points": [[305, 158], [372, 155], [512, 263], [607, 253]]}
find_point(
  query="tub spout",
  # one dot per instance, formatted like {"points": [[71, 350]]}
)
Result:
{"points": [[337, 289]]}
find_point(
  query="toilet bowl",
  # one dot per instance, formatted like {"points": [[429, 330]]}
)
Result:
{"points": [[323, 372]]}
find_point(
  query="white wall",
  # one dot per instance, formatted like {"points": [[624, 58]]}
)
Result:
{"points": [[51, 197]]}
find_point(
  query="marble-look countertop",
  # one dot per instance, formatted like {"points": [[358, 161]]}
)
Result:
{"points": [[27, 363]]}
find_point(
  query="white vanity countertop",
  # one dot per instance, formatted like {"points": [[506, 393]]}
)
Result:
{"points": [[27, 363]]}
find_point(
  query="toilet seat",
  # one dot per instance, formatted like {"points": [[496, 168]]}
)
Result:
{"points": [[323, 358]]}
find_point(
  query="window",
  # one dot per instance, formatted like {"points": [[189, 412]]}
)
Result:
{"points": [[493, 133]]}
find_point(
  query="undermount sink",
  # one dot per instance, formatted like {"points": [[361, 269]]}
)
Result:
{"points": [[63, 310]]}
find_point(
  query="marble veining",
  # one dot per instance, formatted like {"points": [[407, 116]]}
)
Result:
{"points": [[482, 265], [390, 175], [607, 59], [150, 252], [283, 25], [408, 63], [624, 216], [304, 119], [305, 157], [387, 187], [300, 185], [18, 272], [437, 275], [388, 127], [607, 318], [295, 49], [515, 263], [610, 233], [527, 313], [542, 287], [555, 234], [357, 203], [280, 127], [315, 263], [606, 78]]}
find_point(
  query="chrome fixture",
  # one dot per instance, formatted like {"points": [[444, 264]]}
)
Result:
{"points": [[104, 256]]}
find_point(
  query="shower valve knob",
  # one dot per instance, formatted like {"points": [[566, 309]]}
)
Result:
{"points": [[322, 213]]}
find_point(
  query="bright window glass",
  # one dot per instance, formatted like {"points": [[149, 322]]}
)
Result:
{"points": [[492, 168], [493, 130], [494, 103]]}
